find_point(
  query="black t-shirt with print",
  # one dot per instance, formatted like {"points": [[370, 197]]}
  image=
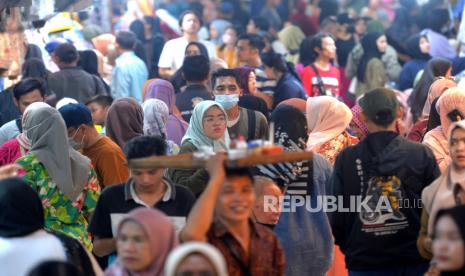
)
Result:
{"points": [[192, 95]]}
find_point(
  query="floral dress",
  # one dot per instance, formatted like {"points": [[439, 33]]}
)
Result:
{"points": [[61, 214], [331, 149]]}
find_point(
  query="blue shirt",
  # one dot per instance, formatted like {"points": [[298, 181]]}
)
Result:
{"points": [[129, 76], [409, 72]]}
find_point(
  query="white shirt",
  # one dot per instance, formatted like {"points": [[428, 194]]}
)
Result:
{"points": [[19, 255], [172, 55]]}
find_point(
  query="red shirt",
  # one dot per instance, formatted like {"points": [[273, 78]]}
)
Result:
{"points": [[330, 78]]}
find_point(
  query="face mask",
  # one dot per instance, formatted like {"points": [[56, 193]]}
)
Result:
{"points": [[227, 101], [74, 144]]}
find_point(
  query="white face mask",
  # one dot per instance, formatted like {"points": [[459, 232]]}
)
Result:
{"points": [[227, 39], [227, 101]]}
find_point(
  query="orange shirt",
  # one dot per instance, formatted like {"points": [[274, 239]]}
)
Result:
{"points": [[109, 162]]}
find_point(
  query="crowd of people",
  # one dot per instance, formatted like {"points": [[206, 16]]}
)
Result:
{"points": [[367, 86]]}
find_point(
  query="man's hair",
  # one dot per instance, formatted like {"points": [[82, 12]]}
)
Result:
{"points": [[126, 40], [238, 172], [317, 42], [255, 41], [145, 146], [28, 85], [222, 73], [261, 22], [103, 100], [196, 68], [66, 53], [181, 17]]}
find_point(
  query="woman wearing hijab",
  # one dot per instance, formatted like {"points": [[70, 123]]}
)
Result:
{"points": [[418, 50], [34, 68], [371, 72], [449, 241], [327, 120], [358, 125], [441, 193], [227, 50], [291, 36], [156, 116], [163, 90], [195, 257], [217, 29], [437, 88], [451, 109], [19, 146], [304, 235], [125, 120], [63, 178], [207, 128], [436, 67], [89, 62], [194, 48], [155, 236], [23, 241]]}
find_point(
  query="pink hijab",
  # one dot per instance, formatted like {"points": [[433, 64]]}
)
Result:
{"points": [[161, 236], [326, 118], [357, 119], [437, 88]]}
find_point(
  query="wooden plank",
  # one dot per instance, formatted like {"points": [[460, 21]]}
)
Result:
{"points": [[186, 161]]}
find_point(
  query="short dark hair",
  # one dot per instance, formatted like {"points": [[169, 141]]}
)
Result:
{"points": [[261, 22], [126, 39], [255, 41], [181, 17], [28, 85], [66, 52], [317, 42], [222, 73], [103, 100], [231, 172], [145, 146], [196, 68]]}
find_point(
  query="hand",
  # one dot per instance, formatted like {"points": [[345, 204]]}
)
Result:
{"points": [[215, 166], [9, 171]]}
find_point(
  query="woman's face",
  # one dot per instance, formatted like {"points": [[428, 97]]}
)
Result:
{"points": [[192, 50], [214, 123], [381, 43], [230, 37], [448, 246], [424, 45], [133, 246], [252, 82], [195, 264], [360, 26]]}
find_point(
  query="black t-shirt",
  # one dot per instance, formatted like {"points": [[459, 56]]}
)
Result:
{"points": [[116, 201], [192, 95], [343, 49]]}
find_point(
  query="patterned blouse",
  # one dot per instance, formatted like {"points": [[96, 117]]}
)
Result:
{"points": [[61, 214], [331, 149]]}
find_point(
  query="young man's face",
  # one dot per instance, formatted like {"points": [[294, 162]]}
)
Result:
{"points": [[27, 99], [99, 113], [244, 52], [328, 48], [236, 199], [226, 86], [147, 179], [190, 24], [457, 148]]}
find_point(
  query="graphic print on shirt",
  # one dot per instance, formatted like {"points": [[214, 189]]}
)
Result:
{"points": [[382, 197], [331, 86]]}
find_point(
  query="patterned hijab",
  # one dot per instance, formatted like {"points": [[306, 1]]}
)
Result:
{"points": [[125, 120], [195, 133], [46, 131], [155, 117]]}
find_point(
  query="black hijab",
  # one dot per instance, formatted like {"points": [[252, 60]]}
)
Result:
{"points": [[436, 67], [413, 48], [434, 120], [34, 68], [370, 51], [88, 61], [457, 214], [293, 137], [21, 211]]}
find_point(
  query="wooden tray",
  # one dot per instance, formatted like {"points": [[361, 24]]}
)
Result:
{"points": [[186, 161]]}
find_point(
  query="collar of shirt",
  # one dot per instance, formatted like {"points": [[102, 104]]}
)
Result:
{"points": [[130, 192], [219, 229]]}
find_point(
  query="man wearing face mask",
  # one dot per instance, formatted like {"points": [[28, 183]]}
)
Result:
{"points": [[106, 157], [241, 122]]}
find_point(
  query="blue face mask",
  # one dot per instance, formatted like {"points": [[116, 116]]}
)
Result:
{"points": [[227, 101]]}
